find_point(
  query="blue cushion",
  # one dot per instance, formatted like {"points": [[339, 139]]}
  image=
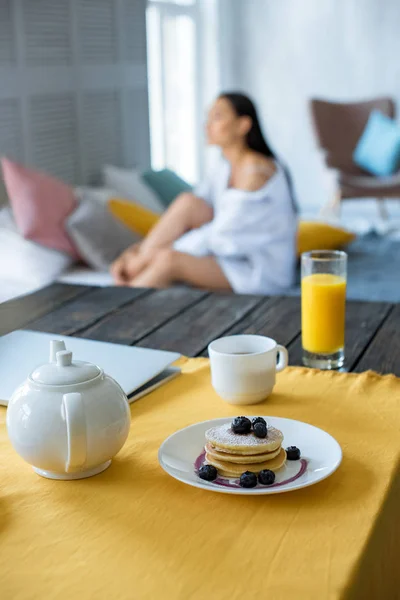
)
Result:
{"points": [[378, 149], [166, 184]]}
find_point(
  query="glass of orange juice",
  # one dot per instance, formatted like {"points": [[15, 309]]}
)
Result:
{"points": [[323, 300]]}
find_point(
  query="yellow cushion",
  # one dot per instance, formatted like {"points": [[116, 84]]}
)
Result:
{"points": [[313, 235], [133, 215]]}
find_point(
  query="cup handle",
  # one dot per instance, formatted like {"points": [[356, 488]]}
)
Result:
{"points": [[76, 431], [283, 356]]}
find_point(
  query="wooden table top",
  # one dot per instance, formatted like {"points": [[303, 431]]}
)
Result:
{"points": [[186, 321]]}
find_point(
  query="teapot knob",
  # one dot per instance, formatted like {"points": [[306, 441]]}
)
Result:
{"points": [[56, 346], [64, 358]]}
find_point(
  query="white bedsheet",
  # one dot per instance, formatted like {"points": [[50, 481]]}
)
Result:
{"points": [[26, 267], [11, 288], [85, 276]]}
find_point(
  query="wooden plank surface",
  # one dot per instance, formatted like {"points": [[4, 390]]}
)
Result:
{"points": [[187, 320], [278, 318], [363, 319], [383, 354], [18, 313], [86, 310], [135, 321], [191, 332]]}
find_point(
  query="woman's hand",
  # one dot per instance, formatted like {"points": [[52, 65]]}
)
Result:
{"points": [[131, 262], [122, 267]]}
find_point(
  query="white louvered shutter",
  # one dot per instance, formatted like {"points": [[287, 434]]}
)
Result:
{"points": [[73, 91]]}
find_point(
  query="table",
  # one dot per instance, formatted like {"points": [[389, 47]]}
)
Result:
{"points": [[134, 532], [185, 321]]}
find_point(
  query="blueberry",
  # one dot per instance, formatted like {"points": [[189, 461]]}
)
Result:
{"points": [[266, 477], [260, 430], [241, 425], [292, 453], [259, 420], [208, 472], [248, 479]]}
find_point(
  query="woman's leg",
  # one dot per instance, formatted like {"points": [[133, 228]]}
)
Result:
{"points": [[185, 213], [169, 267]]}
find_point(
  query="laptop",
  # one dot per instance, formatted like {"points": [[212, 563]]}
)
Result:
{"points": [[137, 370]]}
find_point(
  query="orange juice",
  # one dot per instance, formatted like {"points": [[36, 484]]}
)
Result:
{"points": [[323, 312]]}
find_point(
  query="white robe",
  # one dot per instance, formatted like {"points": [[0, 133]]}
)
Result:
{"points": [[252, 234]]}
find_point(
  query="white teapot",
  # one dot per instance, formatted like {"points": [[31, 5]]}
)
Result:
{"points": [[69, 418]]}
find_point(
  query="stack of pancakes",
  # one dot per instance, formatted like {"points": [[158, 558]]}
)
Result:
{"points": [[233, 453]]}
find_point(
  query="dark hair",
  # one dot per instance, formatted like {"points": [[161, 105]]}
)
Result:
{"points": [[244, 107]]}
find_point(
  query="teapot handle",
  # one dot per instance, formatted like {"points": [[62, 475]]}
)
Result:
{"points": [[76, 431]]}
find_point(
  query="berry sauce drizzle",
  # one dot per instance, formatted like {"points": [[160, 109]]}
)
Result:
{"points": [[234, 483]]}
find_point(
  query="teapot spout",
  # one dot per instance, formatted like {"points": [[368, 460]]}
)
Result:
{"points": [[56, 346]]}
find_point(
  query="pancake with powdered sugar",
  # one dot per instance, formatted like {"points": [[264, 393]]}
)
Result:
{"points": [[240, 458], [228, 469], [222, 438]]}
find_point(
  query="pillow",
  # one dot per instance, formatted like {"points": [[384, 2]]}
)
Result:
{"points": [[98, 236], [134, 216], [99, 194], [129, 184], [25, 265], [378, 149], [40, 205], [166, 184], [313, 235]]}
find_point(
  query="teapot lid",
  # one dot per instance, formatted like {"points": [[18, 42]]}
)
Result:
{"points": [[62, 370]]}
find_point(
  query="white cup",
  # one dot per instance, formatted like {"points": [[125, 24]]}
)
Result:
{"points": [[243, 367]]}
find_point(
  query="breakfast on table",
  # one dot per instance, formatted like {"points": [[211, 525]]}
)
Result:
{"points": [[70, 419]]}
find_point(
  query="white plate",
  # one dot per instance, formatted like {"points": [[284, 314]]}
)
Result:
{"points": [[321, 455]]}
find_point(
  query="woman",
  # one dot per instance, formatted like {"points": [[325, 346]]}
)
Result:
{"points": [[237, 231]]}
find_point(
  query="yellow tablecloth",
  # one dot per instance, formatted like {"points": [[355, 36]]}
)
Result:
{"points": [[133, 532]]}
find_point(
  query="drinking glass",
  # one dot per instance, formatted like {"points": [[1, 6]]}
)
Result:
{"points": [[323, 301]]}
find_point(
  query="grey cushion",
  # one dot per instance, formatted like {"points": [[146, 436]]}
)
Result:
{"points": [[98, 236]]}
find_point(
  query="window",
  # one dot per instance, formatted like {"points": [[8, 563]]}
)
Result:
{"points": [[172, 30]]}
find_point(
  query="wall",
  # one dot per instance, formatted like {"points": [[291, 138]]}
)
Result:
{"points": [[73, 92], [285, 53]]}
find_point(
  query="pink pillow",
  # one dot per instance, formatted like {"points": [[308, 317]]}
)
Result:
{"points": [[40, 204]]}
